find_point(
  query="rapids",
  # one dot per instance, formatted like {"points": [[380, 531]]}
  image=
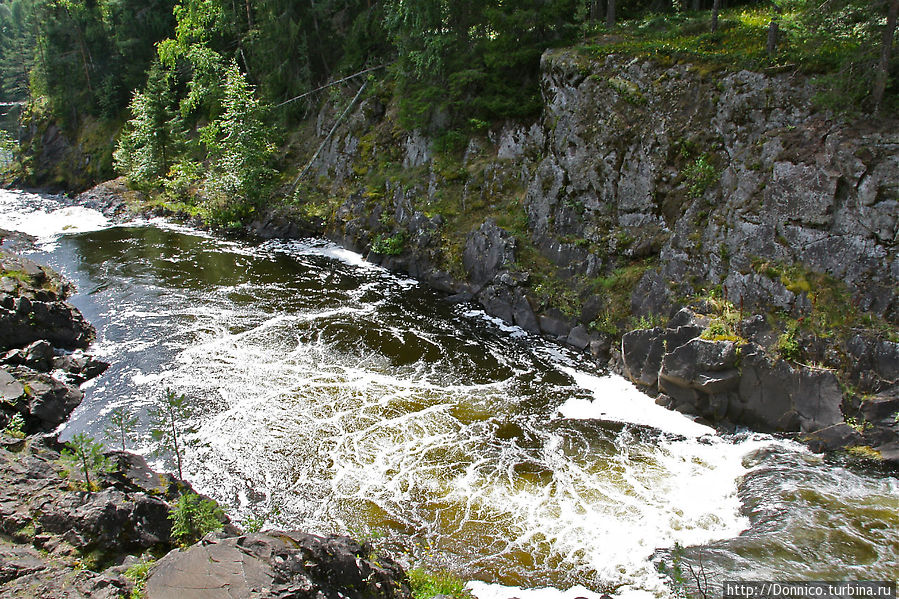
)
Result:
{"points": [[330, 395]]}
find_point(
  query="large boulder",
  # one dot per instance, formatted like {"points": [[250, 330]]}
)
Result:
{"points": [[109, 520], [277, 564], [44, 402], [776, 397]]}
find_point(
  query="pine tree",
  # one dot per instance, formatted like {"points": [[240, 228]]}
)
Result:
{"points": [[239, 142]]}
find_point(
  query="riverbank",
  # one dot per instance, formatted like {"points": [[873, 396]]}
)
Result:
{"points": [[112, 536]]}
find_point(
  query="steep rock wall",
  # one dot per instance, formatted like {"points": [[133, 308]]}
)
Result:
{"points": [[784, 183]]}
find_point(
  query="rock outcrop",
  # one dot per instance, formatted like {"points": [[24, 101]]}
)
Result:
{"points": [[731, 383], [278, 565], [642, 187], [40, 334]]}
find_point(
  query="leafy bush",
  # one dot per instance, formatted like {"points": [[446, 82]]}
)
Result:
{"points": [[138, 574], [389, 245], [788, 344], [426, 584], [16, 426], [699, 175], [193, 518]]}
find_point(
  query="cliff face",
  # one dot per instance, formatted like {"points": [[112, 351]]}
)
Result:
{"points": [[714, 174], [645, 188]]}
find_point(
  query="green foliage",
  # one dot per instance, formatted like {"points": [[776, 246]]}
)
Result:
{"points": [[154, 135], [168, 426], [85, 456], [121, 424], [239, 144], [193, 518], [605, 323], [8, 147], [16, 426], [473, 61], [648, 321], [425, 585], [84, 56], [138, 574], [699, 175], [392, 245], [787, 345], [838, 41]]}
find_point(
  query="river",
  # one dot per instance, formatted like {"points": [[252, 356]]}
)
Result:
{"points": [[329, 395]]}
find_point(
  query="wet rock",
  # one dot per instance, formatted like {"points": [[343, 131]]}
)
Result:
{"points": [[37, 356], [523, 314], [277, 564], [707, 366], [579, 337], [833, 437], [554, 324], [882, 410], [109, 198], [643, 350], [79, 366], [775, 397]]}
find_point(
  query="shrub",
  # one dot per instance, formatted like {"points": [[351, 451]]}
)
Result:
{"points": [[389, 246], [16, 426], [138, 574], [788, 344], [426, 584], [193, 518], [85, 455], [699, 176]]}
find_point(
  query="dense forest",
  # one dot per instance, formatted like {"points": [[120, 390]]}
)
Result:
{"points": [[209, 88]]}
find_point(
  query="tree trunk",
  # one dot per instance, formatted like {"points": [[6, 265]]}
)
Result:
{"points": [[87, 476], [175, 443], [697, 5], [715, 6], [610, 13], [773, 30], [886, 52]]}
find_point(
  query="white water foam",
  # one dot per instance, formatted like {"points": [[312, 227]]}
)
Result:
{"points": [[46, 218], [616, 399]]}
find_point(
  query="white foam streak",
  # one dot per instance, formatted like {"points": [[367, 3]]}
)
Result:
{"points": [[615, 399]]}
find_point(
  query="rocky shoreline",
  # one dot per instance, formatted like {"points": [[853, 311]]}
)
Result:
{"points": [[114, 538]]}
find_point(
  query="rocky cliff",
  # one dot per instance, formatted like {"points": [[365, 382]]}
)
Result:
{"points": [[645, 188]]}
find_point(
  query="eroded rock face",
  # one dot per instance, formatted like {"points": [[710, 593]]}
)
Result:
{"points": [[277, 564]]}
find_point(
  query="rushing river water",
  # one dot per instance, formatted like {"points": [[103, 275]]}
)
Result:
{"points": [[329, 395]]}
